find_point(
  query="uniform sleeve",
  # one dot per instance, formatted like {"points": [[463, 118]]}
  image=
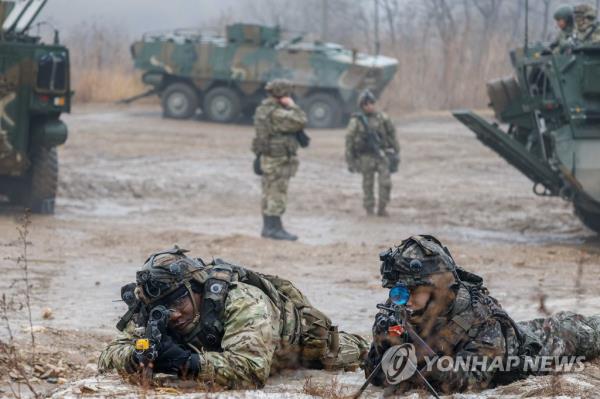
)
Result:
{"points": [[489, 344], [118, 355], [390, 129], [352, 131], [288, 120], [248, 345]]}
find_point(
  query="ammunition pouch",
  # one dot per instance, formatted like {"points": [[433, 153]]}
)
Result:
{"points": [[303, 138], [256, 166]]}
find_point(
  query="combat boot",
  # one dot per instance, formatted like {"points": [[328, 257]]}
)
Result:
{"points": [[382, 212], [267, 226], [277, 232]]}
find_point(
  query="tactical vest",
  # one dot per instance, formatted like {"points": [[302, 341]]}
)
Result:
{"points": [[311, 330], [269, 142], [464, 323], [361, 145]]}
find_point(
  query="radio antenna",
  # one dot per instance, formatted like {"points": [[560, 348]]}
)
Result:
{"points": [[526, 24]]}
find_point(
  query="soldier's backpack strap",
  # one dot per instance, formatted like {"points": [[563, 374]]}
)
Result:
{"points": [[210, 328], [593, 29]]}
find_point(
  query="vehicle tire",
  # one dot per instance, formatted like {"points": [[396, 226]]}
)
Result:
{"points": [[590, 219], [38, 191], [179, 101], [222, 104], [322, 110]]}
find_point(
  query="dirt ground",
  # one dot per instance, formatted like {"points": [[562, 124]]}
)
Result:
{"points": [[132, 183]]}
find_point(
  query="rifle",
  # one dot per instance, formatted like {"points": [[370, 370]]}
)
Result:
{"points": [[395, 324], [146, 349], [373, 140]]}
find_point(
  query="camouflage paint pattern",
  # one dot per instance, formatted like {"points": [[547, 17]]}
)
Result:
{"points": [[251, 55], [464, 331], [361, 158], [25, 107], [255, 343], [276, 142], [555, 96]]}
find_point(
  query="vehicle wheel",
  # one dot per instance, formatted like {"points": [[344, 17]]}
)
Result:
{"points": [[322, 110], [39, 190], [179, 101], [222, 104], [590, 219]]}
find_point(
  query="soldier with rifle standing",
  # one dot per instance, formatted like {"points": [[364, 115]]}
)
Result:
{"points": [[372, 148]]}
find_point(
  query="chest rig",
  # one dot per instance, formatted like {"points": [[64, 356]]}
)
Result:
{"points": [[221, 276]]}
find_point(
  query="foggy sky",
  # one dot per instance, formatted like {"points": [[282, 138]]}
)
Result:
{"points": [[136, 16]]}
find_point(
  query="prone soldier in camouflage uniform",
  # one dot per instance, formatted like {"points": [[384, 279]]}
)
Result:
{"points": [[372, 148], [587, 31], [452, 312], [224, 324], [279, 124], [564, 21]]}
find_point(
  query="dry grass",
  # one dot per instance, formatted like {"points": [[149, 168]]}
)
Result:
{"points": [[332, 390], [101, 65], [106, 85]]}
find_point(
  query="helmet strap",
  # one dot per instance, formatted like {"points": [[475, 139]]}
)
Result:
{"points": [[188, 286]]}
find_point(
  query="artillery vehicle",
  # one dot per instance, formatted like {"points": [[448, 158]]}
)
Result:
{"points": [[225, 77], [34, 91], [551, 107]]}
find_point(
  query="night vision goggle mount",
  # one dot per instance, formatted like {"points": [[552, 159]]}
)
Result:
{"points": [[396, 267]]}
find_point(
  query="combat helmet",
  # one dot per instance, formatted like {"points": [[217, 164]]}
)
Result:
{"points": [[584, 12], [365, 97], [279, 87], [415, 261], [564, 12], [168, 275]]}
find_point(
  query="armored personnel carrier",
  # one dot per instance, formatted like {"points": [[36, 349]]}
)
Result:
{"points": [[551, 109], [225, 77], [34, 91]]}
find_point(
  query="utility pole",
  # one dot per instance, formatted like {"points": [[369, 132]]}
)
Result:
{"points": [[324, 20], [377, 43]]}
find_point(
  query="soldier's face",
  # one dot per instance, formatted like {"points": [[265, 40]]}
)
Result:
{"points": [[369, 108], [419, 297], [182, 313], [561, 23]]}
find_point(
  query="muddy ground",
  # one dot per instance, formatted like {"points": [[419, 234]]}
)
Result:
{"points": [[132, 183]]}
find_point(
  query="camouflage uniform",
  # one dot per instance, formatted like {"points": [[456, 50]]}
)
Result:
{"points": [[361, 158], [565, 38], [587, 31], [276, 144], [259, 336], [470, 323]]}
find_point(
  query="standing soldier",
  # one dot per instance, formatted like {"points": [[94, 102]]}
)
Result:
{"points": [[564, 21], [587, 28], [372, 147], [279, 124]]}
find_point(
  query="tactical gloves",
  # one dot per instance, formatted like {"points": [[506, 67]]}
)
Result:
{"points": [[174, 359]]}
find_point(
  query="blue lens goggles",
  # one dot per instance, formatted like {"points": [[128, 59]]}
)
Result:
{"points": [[399, 294]]}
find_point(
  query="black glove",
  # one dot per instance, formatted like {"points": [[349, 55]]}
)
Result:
{"points": [[394, 161], [302, 138], [174, 359], [256, 166]]}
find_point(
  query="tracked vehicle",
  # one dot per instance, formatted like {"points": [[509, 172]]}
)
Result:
{"points": [[551, 109], [34, 91], [225, 76]]}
